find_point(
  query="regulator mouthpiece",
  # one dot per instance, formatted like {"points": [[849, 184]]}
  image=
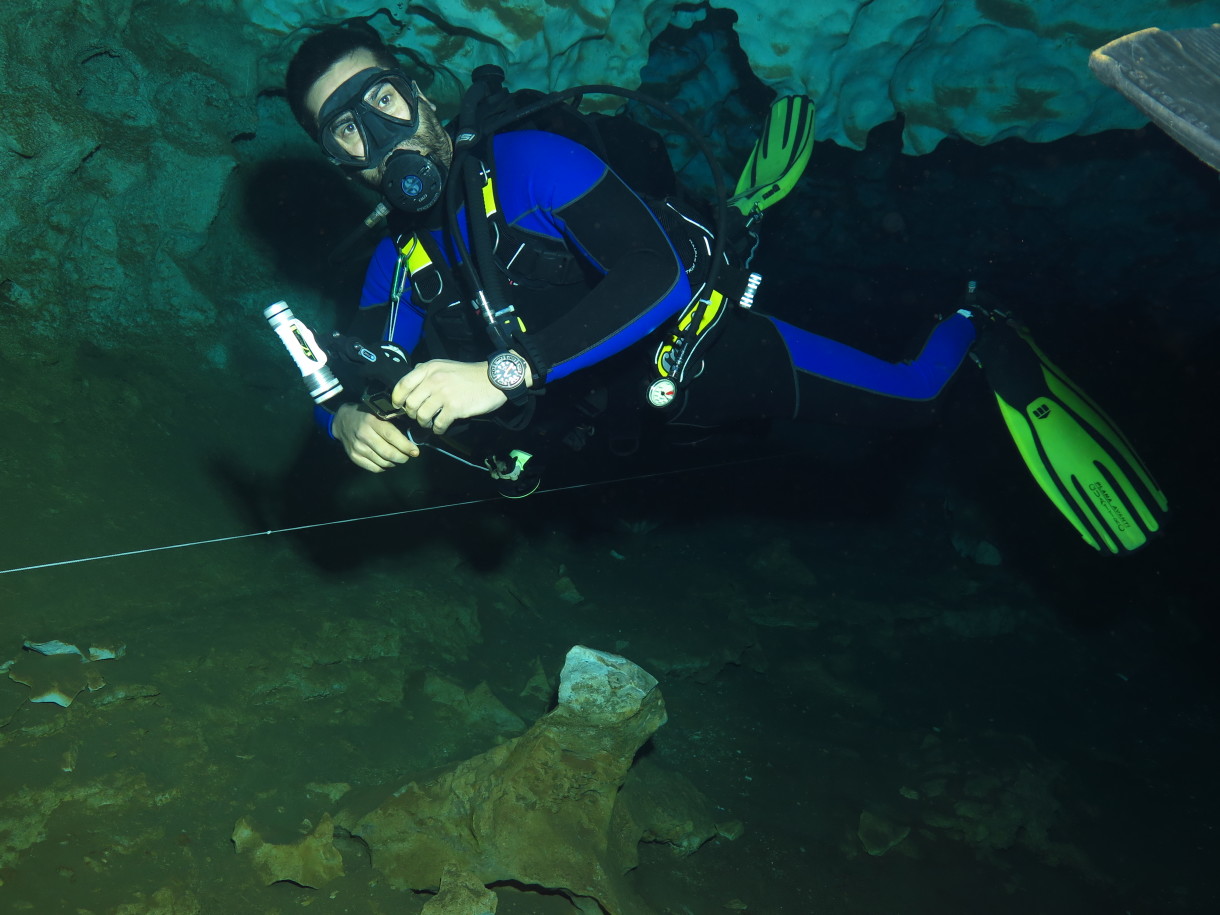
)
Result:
{"points": [[413, 182]]}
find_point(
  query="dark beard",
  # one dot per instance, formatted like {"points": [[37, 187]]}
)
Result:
{"points": [[431, 139]]}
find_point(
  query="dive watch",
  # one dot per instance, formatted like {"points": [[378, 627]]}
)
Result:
{"points": [[506, 370]]}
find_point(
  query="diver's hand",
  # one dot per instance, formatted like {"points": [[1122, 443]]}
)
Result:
{"points": [[372, 444], [438, 393]]}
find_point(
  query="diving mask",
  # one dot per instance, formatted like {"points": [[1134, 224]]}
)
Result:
{"points": [[367, 116]]}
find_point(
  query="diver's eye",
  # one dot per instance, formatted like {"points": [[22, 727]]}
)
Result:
{"points": [[387, 100], [346, 135]]}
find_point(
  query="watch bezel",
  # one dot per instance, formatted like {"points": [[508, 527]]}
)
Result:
{"points": [[496, 370]]}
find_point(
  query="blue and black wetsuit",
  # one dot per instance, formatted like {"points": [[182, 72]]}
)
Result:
{"points": [[553, 189], [632, 283], [761, 366]]}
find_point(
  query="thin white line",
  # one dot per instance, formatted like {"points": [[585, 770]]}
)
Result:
{"points": [[406, 511]]}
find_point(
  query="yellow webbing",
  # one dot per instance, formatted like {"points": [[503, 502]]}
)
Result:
{"points": [[714, 303]]}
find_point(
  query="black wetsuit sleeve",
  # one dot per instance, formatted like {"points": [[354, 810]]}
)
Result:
{"points": [[643, 281]]}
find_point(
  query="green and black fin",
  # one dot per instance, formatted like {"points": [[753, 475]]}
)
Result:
{"points": [[779, 157], [1083, 463]]}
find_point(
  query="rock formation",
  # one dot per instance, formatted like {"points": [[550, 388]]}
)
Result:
{"points": [[563, 807]]}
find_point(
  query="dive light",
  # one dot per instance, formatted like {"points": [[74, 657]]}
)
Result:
{"points": [[341, 364], [306, 352]]}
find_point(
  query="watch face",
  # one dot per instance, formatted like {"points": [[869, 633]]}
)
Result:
{"points": [[506, 371]]}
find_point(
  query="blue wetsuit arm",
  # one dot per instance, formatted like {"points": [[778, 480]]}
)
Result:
{"points": [[922, 378]]}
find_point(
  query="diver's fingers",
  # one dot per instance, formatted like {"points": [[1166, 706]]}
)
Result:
{"points": [[372, 444]]}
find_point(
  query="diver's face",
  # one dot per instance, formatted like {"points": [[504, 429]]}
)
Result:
{"points": [[428, 136]]}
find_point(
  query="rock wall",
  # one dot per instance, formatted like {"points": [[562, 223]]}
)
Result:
{"points": [[117, 147], [133, 131], [985, 70]]}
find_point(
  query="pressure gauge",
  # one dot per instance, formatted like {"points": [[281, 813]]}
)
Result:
{"points": [[661, 392]]}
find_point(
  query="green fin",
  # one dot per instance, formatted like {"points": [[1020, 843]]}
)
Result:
{"points": [[779, 157], [1083, 463]]}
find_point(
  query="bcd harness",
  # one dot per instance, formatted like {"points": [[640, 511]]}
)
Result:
{"points": [[530, 262]]}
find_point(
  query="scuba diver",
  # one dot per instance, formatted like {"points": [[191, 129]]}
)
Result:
{"points": [[527, 294]]}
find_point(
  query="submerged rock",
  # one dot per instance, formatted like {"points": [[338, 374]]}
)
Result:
{"points": [[58, 671], [604, 689], [878, 834], [461, 894], [560, 808], [312, 861]]}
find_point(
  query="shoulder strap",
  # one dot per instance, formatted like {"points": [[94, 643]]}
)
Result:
{"points": [[448, 329]]}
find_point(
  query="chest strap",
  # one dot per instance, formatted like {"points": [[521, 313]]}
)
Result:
{"points": [[437, 291]]}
